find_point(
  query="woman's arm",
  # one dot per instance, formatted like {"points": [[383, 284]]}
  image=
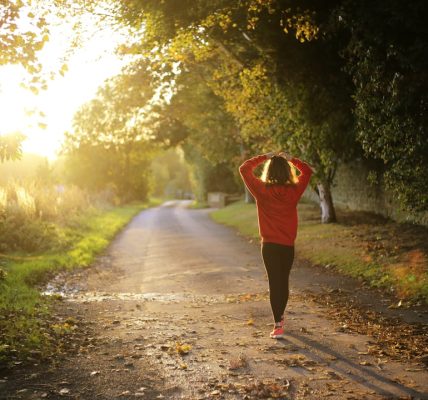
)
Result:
{"points": [[304, 169], [305, 174], [254, 184]]}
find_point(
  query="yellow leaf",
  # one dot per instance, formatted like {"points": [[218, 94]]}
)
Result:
{"points": [[183, 348]]}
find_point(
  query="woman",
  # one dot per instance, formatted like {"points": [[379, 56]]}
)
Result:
{"points": [[277, 195]]}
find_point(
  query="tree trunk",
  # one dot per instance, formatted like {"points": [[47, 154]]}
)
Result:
{"points": [[328, 214]]}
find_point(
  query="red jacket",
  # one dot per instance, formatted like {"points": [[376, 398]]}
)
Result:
{"points": [[276, 204]]}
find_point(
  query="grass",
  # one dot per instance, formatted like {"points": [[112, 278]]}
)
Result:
{"points": [[24, 312], [385, 254]]}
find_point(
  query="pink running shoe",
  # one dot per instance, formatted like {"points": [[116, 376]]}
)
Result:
{"points": [[278, 331]]}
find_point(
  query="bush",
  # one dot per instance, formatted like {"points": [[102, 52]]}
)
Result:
{"points": [[31, 214]]}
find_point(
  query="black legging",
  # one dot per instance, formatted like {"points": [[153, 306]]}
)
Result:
{"points": [[278, 260]]}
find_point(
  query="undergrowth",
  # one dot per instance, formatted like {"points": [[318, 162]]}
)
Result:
{"points": [[25, 327]]}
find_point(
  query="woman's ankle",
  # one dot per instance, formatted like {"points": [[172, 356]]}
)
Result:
{"points": [[280, 322]]}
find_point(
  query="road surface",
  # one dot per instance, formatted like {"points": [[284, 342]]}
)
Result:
{"points": [[177, 308]]}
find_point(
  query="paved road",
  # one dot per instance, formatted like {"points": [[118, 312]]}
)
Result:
{"points": [[172, 249], [178, 308]]}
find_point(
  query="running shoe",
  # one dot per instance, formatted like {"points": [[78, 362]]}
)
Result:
{"points": [[278, 331]]}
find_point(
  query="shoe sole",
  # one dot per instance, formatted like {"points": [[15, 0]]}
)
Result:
{"points": [[277, 336]]}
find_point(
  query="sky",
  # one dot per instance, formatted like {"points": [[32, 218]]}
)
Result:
{"points": [[88, 67]]}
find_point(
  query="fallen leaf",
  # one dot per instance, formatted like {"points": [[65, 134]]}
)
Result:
{"points": [[183, 348]]}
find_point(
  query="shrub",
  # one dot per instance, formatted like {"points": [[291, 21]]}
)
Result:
{"points": [[30, 215]]}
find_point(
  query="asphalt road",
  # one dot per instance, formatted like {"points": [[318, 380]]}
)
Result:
{"points": [[178, 308]]}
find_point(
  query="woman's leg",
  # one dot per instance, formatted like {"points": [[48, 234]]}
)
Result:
{"points": [[278, 260]]}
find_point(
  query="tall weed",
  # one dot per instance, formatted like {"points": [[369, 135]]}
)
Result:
{"points": [[30, 215]]}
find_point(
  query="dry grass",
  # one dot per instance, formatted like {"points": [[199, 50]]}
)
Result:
{"points": [[49, 203], [32, 215]]}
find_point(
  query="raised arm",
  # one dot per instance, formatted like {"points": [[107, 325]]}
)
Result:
{"points": [[254, 184], [305, 174]]}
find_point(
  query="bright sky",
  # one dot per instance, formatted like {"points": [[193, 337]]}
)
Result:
{"points": [[88, 67]]}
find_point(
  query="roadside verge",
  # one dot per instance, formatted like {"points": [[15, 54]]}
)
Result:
{"points": [[385, 254], [27, 330]]}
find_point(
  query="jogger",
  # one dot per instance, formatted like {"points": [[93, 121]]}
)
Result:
{"points": [[277, 195]]}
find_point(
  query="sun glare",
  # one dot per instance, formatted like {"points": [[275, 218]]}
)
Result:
{"points": [[44, 118]]}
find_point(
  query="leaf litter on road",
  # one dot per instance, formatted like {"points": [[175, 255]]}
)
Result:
{"points": [[258, 389], [391, 337]]}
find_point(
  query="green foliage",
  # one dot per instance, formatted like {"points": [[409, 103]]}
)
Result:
{"points": [[210, 128], [275, 90], [207, 133], [108, 139], [30, 215], [209, 177], [123, 169], [20, 234], [170, 174], [386, 57], [24, 33], [265, 75]]}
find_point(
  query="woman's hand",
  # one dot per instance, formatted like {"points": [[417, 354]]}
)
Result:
{"points": [[286, 155], [271, 154]]}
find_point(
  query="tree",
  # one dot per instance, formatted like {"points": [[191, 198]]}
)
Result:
{"points": [[281, 90], [196, 120], [108, 147], [171, 175], [386, 56], [123, 170], [20, 46]]}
